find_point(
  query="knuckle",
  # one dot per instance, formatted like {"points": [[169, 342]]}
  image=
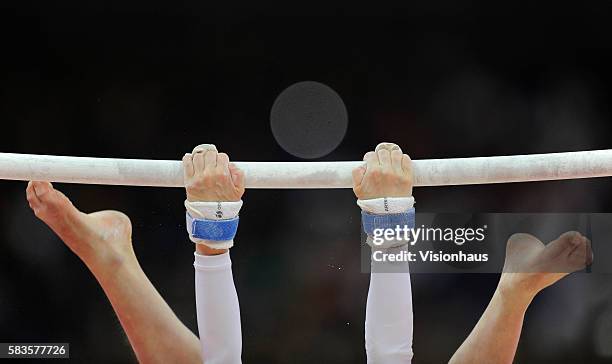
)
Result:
{"points": [[222, 178], [194, 184], [406, 178], [388, 175], [208, 181]]}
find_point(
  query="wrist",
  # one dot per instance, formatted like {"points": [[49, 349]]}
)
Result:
{"points": [[386, 205], [192, 198], [223, 197], [209, 210], [384, 214], [205, 250], [212, 225]]}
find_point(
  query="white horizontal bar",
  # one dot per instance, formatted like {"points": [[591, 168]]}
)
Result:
{"points": [[431, 172]]}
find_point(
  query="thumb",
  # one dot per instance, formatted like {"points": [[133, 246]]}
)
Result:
{"points": [[237, 176]]}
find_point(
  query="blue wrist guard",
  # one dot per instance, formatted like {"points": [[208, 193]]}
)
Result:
{"points": [[372, 222], [216, 230]]}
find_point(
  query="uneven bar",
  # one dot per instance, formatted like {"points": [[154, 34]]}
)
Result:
{"points": [[428, 172]]}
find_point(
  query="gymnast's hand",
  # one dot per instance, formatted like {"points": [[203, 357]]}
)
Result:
{"points": [[531, 266], [99, 239], [210, 177], [386, 173]]}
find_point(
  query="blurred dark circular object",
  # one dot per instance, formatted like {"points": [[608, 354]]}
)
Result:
{"points": [[308, 119]]}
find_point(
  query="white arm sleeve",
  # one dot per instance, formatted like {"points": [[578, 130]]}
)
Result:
{"points": [[217, 309], [389, 318]]}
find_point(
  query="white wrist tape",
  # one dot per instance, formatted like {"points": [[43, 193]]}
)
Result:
{"points": [[386, 205], [213, 211]]}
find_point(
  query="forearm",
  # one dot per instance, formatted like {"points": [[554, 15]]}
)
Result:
{"points": [[154, 331], [495, 337], [218, 309]]}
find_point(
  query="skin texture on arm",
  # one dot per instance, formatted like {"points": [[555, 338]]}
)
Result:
{"points": [[389, 317], [530, 267], [103, 241], [209, 177]]}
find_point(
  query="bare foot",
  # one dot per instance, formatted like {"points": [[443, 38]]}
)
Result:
{"points": [[102, 237], [531, 266]]}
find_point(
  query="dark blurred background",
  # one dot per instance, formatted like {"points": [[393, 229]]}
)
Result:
{"points": [[441, 78]]}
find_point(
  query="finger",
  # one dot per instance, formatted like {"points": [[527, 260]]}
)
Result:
{"points": [[372, 163], [396, 161], [406, 163], [198, 162], [369, 156], [203, 148], [237, 176], [385, 159], [358, 174], [222, 164], [188, 170], [388, 146], [210, 161]]}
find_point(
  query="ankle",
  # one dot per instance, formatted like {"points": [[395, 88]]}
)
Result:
{"points": [[515, 288], [109, 260]]}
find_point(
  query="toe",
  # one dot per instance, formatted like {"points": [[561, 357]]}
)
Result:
{"points": [[44, 192], [566, 243], [31, 197], [581, 254], [48, 204]]}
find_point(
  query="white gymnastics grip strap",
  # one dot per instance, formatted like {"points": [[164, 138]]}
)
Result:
{"points": [[431, 172]]}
